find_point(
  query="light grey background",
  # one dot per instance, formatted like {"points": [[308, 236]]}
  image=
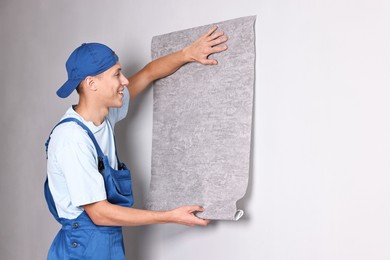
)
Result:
{"points": [[319, 184]]}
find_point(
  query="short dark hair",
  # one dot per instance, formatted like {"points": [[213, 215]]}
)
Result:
{"points": [[78, 88]]}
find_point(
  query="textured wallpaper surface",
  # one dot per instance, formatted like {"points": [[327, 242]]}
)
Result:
{"points": [[202, 121]]}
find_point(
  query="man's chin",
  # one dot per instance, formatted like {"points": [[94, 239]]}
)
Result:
{"points": [[116, 105]]}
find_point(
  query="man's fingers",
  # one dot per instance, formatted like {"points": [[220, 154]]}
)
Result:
{"points": [[196, 208], [203, 222], [215, 35], [218, 49], [199, 221], [209, 62], [210, 32], [218, 41]]}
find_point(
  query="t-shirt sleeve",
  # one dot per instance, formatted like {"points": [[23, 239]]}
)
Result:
{"points": [[117, 114], [78, 162]]}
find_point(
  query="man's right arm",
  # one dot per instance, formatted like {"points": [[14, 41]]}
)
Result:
{"points": [[103, 213]]}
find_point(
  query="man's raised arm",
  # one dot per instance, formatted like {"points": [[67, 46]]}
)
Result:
{"points": [[198, 51]]}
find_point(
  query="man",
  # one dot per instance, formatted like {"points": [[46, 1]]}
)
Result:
{"points": [[88, 190]]}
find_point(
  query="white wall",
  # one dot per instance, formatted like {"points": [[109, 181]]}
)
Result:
{"points": [[320, 175]]}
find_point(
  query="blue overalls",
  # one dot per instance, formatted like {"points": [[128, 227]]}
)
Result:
{"points": [[80, 238]]}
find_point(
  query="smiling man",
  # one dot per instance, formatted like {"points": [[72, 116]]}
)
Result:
{"points": [[88, 190]]}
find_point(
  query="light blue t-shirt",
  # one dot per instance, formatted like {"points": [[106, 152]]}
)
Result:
{"points": [[72, 165]]}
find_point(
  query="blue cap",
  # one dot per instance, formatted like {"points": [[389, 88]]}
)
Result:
{"points": [[90, 59]]}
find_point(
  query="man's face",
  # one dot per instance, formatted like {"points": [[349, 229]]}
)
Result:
{"points": [[111, 84]]}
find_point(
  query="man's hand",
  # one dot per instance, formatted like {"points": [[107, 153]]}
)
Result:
{"points": [[206, 45], [185, 216]]}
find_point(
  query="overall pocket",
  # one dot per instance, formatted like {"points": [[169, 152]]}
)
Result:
{"points": [[122, 180], [118, 184]]}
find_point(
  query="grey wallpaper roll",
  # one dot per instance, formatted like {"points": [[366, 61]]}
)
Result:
{"points": [[202, 121]]}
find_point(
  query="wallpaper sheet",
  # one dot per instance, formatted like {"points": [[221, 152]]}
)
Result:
{"points": [[202, 121]]}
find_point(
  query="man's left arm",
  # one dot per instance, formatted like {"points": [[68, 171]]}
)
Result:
{"points": [[198, 51]]}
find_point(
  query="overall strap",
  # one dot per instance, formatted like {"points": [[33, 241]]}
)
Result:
{"points": [[71, 119], [116, 151]]}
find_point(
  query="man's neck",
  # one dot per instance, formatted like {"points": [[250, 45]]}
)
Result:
{"points": [[91, 113]]}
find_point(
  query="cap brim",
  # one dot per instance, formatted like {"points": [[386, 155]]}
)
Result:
{"points": [[68, 88]]}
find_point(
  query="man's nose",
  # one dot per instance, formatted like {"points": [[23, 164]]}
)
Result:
{"points": [[124, 80]]}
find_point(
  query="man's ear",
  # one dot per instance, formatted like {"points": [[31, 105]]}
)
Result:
{"points": [[90, 83]]}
